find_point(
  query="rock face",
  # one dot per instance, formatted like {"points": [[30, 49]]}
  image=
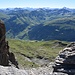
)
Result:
{"points": [[34, 71], [65, 62], [5, 55]]}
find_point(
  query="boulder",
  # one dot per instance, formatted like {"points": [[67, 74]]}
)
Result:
{"points": [[65, 61]]}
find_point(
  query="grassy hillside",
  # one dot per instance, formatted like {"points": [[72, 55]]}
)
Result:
{"points": [[57, 29], [38, 24], [29, 53]]}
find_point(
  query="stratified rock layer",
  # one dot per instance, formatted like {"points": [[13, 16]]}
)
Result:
{"points": [[5, 55], [65, 62]]}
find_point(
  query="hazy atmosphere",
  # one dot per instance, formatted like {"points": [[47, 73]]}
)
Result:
{"points": [[37, 3]]}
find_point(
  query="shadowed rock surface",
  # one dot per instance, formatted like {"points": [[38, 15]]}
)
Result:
{"points": [[5, 56], [65, 62]]}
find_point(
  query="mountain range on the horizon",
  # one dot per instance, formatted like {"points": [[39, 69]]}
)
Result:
{"points": [[39, 24]]}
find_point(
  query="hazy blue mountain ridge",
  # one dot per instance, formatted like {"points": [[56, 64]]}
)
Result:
{"points": [[39, 24]]}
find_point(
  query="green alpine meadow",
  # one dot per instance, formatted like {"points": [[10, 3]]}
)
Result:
{"points": [[29, 53]]}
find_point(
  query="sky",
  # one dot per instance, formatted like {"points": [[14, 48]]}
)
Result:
{"points": [[37, 3]]}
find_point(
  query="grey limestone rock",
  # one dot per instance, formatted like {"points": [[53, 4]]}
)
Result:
{"points": [[65, 61], [34, 71]]}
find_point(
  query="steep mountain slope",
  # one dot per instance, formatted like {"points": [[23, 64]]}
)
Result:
{"points": [[39, 24], [61, 29]]}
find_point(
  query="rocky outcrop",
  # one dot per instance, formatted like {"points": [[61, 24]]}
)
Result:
{"points": [[5, 56], [34, 71], [65, 61]]}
